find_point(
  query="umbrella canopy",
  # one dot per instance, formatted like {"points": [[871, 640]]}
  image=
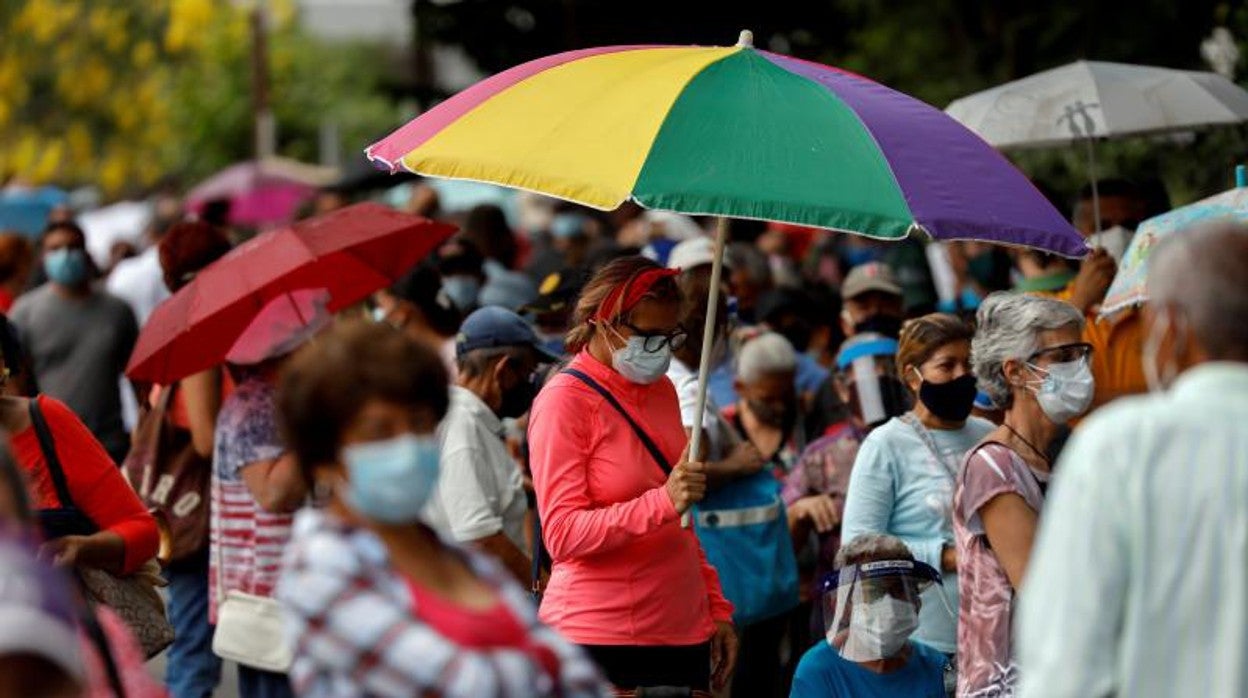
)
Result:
{"points": [[350, 253], [732, 132], [26, 210], [1128, 287], [262, 191], [1097, 99]]}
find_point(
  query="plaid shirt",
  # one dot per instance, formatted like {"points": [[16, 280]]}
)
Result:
{"points": [[351, 620]]}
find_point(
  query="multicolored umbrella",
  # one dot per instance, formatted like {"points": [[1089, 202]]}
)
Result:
{"points": [[733, 132], [348, 254], [1128, 287]]}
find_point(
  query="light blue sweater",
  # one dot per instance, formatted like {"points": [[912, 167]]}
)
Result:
{"points": [[899, 488]]}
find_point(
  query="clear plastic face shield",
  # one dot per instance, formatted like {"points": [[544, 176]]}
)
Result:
{"points": [[866, 370], [873, 607]]}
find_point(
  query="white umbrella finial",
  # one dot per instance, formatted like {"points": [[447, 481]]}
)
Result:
{"points": [[746, 40]]}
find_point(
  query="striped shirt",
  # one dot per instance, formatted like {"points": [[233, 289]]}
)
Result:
{"points": [[247, 541]]}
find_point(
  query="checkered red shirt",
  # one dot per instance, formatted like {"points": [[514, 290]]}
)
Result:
{"points": [[352, 620]]}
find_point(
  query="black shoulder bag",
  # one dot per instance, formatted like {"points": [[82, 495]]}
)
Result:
{"points": [[66, 519]]}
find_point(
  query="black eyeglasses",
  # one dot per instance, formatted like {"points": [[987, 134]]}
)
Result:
{"points": [[656, 340], [1064, 353]]}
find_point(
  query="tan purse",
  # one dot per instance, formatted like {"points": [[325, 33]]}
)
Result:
{"points": [[135, 599]]}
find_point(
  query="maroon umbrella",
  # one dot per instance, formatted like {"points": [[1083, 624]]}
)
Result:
{"points": [[351, 252]]}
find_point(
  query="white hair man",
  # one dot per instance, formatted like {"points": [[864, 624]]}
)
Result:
{"points": [[1137, 582]]}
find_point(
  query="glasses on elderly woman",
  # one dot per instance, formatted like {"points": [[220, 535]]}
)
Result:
{"points": [[1063, 353], [656, 340]]}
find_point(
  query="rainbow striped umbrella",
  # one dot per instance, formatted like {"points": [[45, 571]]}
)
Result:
{"points": [[732, 132]]}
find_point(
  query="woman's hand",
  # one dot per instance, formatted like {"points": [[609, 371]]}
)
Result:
{"points": [[686, 485], [724, 647], [949, 559], [819, 510], [104, 550], [65, 551]]}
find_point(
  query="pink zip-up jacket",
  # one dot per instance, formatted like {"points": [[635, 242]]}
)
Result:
{"points": [[625, 572]]}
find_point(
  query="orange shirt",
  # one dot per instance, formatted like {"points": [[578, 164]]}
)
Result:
{"points": [[1117, 359]]}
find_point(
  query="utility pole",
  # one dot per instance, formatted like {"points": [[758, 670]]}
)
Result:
{"points": [[264, 126]]}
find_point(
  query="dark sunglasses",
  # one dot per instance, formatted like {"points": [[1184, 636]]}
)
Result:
{"points": [[655, 341]]}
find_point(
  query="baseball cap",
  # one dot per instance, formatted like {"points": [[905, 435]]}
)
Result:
{"points": [[872, 276], [492, 327], [693, 252], [557, 291]]}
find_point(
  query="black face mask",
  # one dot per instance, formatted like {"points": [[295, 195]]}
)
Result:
{"points": [[518, 399], [951, 400], [887, 325]]}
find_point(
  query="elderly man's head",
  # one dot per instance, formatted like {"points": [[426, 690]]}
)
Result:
{"points": [[1198, 301], [766, 368]]}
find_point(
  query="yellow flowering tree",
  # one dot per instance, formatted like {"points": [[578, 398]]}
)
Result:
{"points": [[119, 93]]}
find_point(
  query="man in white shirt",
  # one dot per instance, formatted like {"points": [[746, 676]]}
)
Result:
{"points": [[480, 498], [1137, 581]]}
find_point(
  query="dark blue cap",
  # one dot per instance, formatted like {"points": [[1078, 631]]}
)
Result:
{"points": [[492, 327]]}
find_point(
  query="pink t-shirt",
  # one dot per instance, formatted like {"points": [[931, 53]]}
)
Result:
{"points": [[986, 664], [624, 572]]}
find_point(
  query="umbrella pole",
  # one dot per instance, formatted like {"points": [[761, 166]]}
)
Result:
{"points": [[708, 339], [1096, 196]]}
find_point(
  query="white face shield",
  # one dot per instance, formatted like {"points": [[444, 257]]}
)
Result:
{"points": [[874, 607]]}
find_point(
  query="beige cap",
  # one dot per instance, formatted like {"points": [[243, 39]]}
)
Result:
{"points": [[873, 276]]}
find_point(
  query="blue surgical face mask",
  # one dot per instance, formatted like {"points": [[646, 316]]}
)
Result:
{"points": [[462, 290], [392, 480], [638, 365], [66, 266]]}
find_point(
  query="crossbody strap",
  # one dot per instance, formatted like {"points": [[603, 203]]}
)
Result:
{"points": [[646, 441], [48, 445]]}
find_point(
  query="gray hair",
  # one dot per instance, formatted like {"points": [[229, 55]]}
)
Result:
{"points": [[742, 256], [767, 353], [1009, 325], [1200, 273], [869, 547]]}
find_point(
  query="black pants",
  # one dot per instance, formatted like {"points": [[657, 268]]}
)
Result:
{"points": [[759, 673], [631, 666]]}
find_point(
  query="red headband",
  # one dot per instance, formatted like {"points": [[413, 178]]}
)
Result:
{"points": [[627, 295]]}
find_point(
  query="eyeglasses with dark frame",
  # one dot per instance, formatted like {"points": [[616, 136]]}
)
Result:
{"points": [[655, 341]]}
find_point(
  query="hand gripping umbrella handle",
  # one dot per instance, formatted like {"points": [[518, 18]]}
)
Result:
{"points": [[708, 339]]}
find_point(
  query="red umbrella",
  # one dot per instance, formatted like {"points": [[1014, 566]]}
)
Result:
{"points": [[351, 252]]}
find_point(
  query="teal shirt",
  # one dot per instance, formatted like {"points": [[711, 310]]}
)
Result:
{"points": [[898, 487], [823, 673]]}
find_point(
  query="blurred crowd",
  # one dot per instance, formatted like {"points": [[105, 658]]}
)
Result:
{"points": [[925, 469]]}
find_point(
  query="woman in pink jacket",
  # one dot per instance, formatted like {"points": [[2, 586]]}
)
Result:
{"points": [[612, 477]]}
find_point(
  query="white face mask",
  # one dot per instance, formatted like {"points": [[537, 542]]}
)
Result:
{"points": [[1114, 241], [1064, 390], [638, 365], [879, 630], [1159, 378]]}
